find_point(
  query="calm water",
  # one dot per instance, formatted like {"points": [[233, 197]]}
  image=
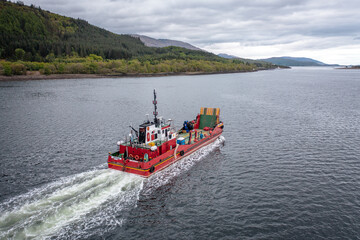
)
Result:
{"points": [[287, 167]]}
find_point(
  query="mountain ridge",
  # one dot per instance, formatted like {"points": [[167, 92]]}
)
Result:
{"points": [[295, 61], [228, 56], [160, 43], [285, 60]]}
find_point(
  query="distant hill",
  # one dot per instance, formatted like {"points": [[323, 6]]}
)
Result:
{"points": [[295, 61], [160, 43], [251, 61], [285, 61], [224, 55]]}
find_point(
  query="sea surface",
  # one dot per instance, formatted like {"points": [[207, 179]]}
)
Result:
{"points": [[286, 167]]}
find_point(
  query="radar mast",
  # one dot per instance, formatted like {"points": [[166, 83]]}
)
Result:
{"points": [[155, 110]]}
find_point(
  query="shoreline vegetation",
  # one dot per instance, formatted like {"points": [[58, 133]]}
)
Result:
{"points": [[350, 67], [95, 66]]}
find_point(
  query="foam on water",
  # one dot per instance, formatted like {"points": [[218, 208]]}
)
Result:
{"points": [[58, 205], [72, 206]]}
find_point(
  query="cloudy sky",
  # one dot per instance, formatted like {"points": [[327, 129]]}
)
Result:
{"points": [[326, 30]]}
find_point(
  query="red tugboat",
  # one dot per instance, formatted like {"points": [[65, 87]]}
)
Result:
{"points": [[157, 145]]}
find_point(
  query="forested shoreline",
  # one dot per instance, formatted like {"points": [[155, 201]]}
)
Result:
{"points": [[96, 65]]}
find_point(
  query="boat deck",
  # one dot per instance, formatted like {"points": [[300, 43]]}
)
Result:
{"points": [[186, 135]]}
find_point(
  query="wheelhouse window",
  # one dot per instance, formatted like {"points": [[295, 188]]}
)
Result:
{"points": [[142, 133]]}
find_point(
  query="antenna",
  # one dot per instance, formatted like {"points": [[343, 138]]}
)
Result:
{"points": [[155, 108]]}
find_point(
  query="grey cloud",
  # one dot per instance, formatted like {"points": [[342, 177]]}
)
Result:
{"points": [[206, 22]]}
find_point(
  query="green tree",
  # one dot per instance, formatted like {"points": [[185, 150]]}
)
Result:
{"points": [[48, 69], [50, 57], [18, 69], [28, 56], [37, 57], [7, 70], [95, 57], [19, 54]]}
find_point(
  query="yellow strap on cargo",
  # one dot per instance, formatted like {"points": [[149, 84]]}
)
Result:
{"points": [[210, 111]]}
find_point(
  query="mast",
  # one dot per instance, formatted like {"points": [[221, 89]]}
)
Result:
{"points": [[155, 108]]}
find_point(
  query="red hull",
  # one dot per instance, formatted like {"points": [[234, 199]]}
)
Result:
{"points": [[164, 160]]}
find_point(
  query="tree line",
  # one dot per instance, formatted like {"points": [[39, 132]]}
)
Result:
{"points": [[94, 64]]}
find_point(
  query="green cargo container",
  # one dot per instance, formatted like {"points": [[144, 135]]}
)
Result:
{"points": [[209, 117]]}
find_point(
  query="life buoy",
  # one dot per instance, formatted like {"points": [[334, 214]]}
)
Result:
{"points": [[136, 157], [182, 153], [152, 169], [148, 137], [130, 156]]}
